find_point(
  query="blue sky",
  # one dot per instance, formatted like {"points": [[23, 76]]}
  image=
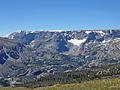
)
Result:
{"points": [[16, 15]]}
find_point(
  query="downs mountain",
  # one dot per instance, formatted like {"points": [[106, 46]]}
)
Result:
{"points": [[30, 55]]}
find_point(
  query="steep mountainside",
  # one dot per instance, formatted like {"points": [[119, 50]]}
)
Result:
{"points": [[32, 54], [85, 45]]}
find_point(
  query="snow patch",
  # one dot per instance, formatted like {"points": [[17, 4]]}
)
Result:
{"points": [[117, 39], [87, 32], [100, 32], [54, 30], [32, 43], [77, 42], [105, 41]]}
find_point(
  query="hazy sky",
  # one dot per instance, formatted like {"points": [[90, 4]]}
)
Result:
{"points": [[16, 15]]}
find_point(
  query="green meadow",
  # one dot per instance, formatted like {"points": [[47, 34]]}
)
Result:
{"points": [[106, 84]]}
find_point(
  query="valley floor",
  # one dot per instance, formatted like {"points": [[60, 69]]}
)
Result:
{"points": [[106, 84]]}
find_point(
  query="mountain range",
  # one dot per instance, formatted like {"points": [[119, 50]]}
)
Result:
{"points": [[38, 53]]}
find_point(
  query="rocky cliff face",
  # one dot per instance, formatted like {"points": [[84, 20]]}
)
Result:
{"points": [[74, 43], [10, 49], [36, 53]]}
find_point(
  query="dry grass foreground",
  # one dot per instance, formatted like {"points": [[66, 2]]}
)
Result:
{"points": [[108, 84]]}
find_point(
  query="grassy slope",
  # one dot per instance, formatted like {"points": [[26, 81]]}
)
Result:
{"points": [[108, 84], [10, 88]]}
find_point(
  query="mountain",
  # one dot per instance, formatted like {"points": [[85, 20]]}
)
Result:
{"points": [[71, 43], [31, 54]]}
